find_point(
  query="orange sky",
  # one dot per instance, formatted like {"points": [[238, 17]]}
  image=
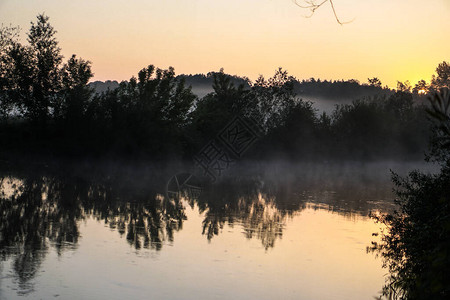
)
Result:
{"points": [[393, 40]]}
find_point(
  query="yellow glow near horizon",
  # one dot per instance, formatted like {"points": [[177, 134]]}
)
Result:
{"points": [[392, 40]]}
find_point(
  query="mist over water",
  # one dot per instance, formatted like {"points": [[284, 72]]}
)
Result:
{"points": [[110, 232], [168, 184]]}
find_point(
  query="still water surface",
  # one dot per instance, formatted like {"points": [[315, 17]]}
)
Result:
{"points": [[268, 232]]}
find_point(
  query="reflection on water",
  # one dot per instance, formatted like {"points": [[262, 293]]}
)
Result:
{"points": [[41, 213]]}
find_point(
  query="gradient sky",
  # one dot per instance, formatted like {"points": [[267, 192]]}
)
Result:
{"points": [[391, 39]]}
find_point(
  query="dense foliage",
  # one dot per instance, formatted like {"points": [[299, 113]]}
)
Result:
{"points": [[416, 246], [48, 108]]}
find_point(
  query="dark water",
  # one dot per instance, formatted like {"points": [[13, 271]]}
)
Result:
{"points": [[264, 231]]}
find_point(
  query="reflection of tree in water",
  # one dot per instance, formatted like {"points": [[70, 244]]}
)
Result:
{"points": [[146, 222], [257, 218], [40, 211], [262, 204], [248, 203], [33, 215]]}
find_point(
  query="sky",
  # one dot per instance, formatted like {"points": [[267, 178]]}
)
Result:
{"points": [[389, 39]]}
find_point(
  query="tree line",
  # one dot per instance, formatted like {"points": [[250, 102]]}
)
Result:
{"points": [[48, 108]]}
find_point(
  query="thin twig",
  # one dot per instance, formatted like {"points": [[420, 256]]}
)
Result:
{"points": [[311, 5], [336, 16]]}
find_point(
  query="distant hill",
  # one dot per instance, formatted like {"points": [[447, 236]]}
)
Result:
{"points": [[100, 86]]}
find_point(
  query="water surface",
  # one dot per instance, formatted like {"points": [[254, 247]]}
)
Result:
{"points": [[265, 231]]}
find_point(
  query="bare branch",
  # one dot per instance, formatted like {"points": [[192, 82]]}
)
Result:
{"points": [[336, 16], [313, 6]]}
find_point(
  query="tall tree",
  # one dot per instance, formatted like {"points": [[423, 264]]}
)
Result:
{"points": [[16, 77], [75, 75], [274, 98], [442, 77], [46, 58]]}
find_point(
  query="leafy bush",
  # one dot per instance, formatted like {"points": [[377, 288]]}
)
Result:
{"points": [[416, 246]]}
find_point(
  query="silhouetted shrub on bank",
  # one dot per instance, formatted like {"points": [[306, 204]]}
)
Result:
{"points": [[416, 246]]}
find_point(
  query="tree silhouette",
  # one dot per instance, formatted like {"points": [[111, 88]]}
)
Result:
{"points": [[404, 86], [442, 77], [374, 82], [45, 62], [8, 39], [415, 246], [421, 87], [75, 93], [33, 79]]}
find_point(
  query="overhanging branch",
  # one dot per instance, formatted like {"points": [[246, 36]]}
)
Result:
{"points": [[313, 6]]}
